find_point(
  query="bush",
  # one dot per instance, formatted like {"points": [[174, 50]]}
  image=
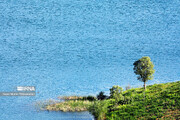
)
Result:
{"points": [[99, 109], [90, 98], [101, 96], [116, 93]]}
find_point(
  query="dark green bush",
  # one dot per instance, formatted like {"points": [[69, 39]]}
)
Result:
{"points": [[91, 98], [101, 96]]}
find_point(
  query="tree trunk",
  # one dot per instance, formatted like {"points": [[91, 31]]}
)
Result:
{"points": [[144, 85]]}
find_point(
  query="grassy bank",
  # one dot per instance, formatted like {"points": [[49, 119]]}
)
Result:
{"points": [[70, 106], [72, 103], [159, 101]]}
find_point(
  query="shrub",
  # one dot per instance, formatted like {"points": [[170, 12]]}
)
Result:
{"points": [[116, 93], [101, 96], [90, 98], [99, 109]]}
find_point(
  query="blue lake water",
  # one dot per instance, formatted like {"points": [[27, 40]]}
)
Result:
{"points": [[82, 47]]}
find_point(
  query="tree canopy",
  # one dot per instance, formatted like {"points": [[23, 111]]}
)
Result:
{"points": [[144, 68], [101, 96], [116, 93]]}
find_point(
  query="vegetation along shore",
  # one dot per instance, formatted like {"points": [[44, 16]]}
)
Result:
{"points": [[158, 101]]}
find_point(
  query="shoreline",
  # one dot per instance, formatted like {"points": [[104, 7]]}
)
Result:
{"points": [[160, 100]]}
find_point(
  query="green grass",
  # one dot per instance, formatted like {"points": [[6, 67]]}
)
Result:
{"points": [[162, 101], [71, 105]]}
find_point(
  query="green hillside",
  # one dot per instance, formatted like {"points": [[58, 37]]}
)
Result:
{"points": [[161, 101]]}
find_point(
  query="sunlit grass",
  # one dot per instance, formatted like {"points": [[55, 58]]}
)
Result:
{"points": [[72, 105]]}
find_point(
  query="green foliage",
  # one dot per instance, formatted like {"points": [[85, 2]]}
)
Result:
{"points": [[162, 101], [144, 68], [90, 98], [101, 96], [99, 109], [116, 93], [70, 105]]}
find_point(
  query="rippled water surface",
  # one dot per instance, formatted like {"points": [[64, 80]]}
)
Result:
{"points": [[82, 47]]}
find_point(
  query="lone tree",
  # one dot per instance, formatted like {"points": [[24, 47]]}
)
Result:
{"points": [[144, 68]]}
